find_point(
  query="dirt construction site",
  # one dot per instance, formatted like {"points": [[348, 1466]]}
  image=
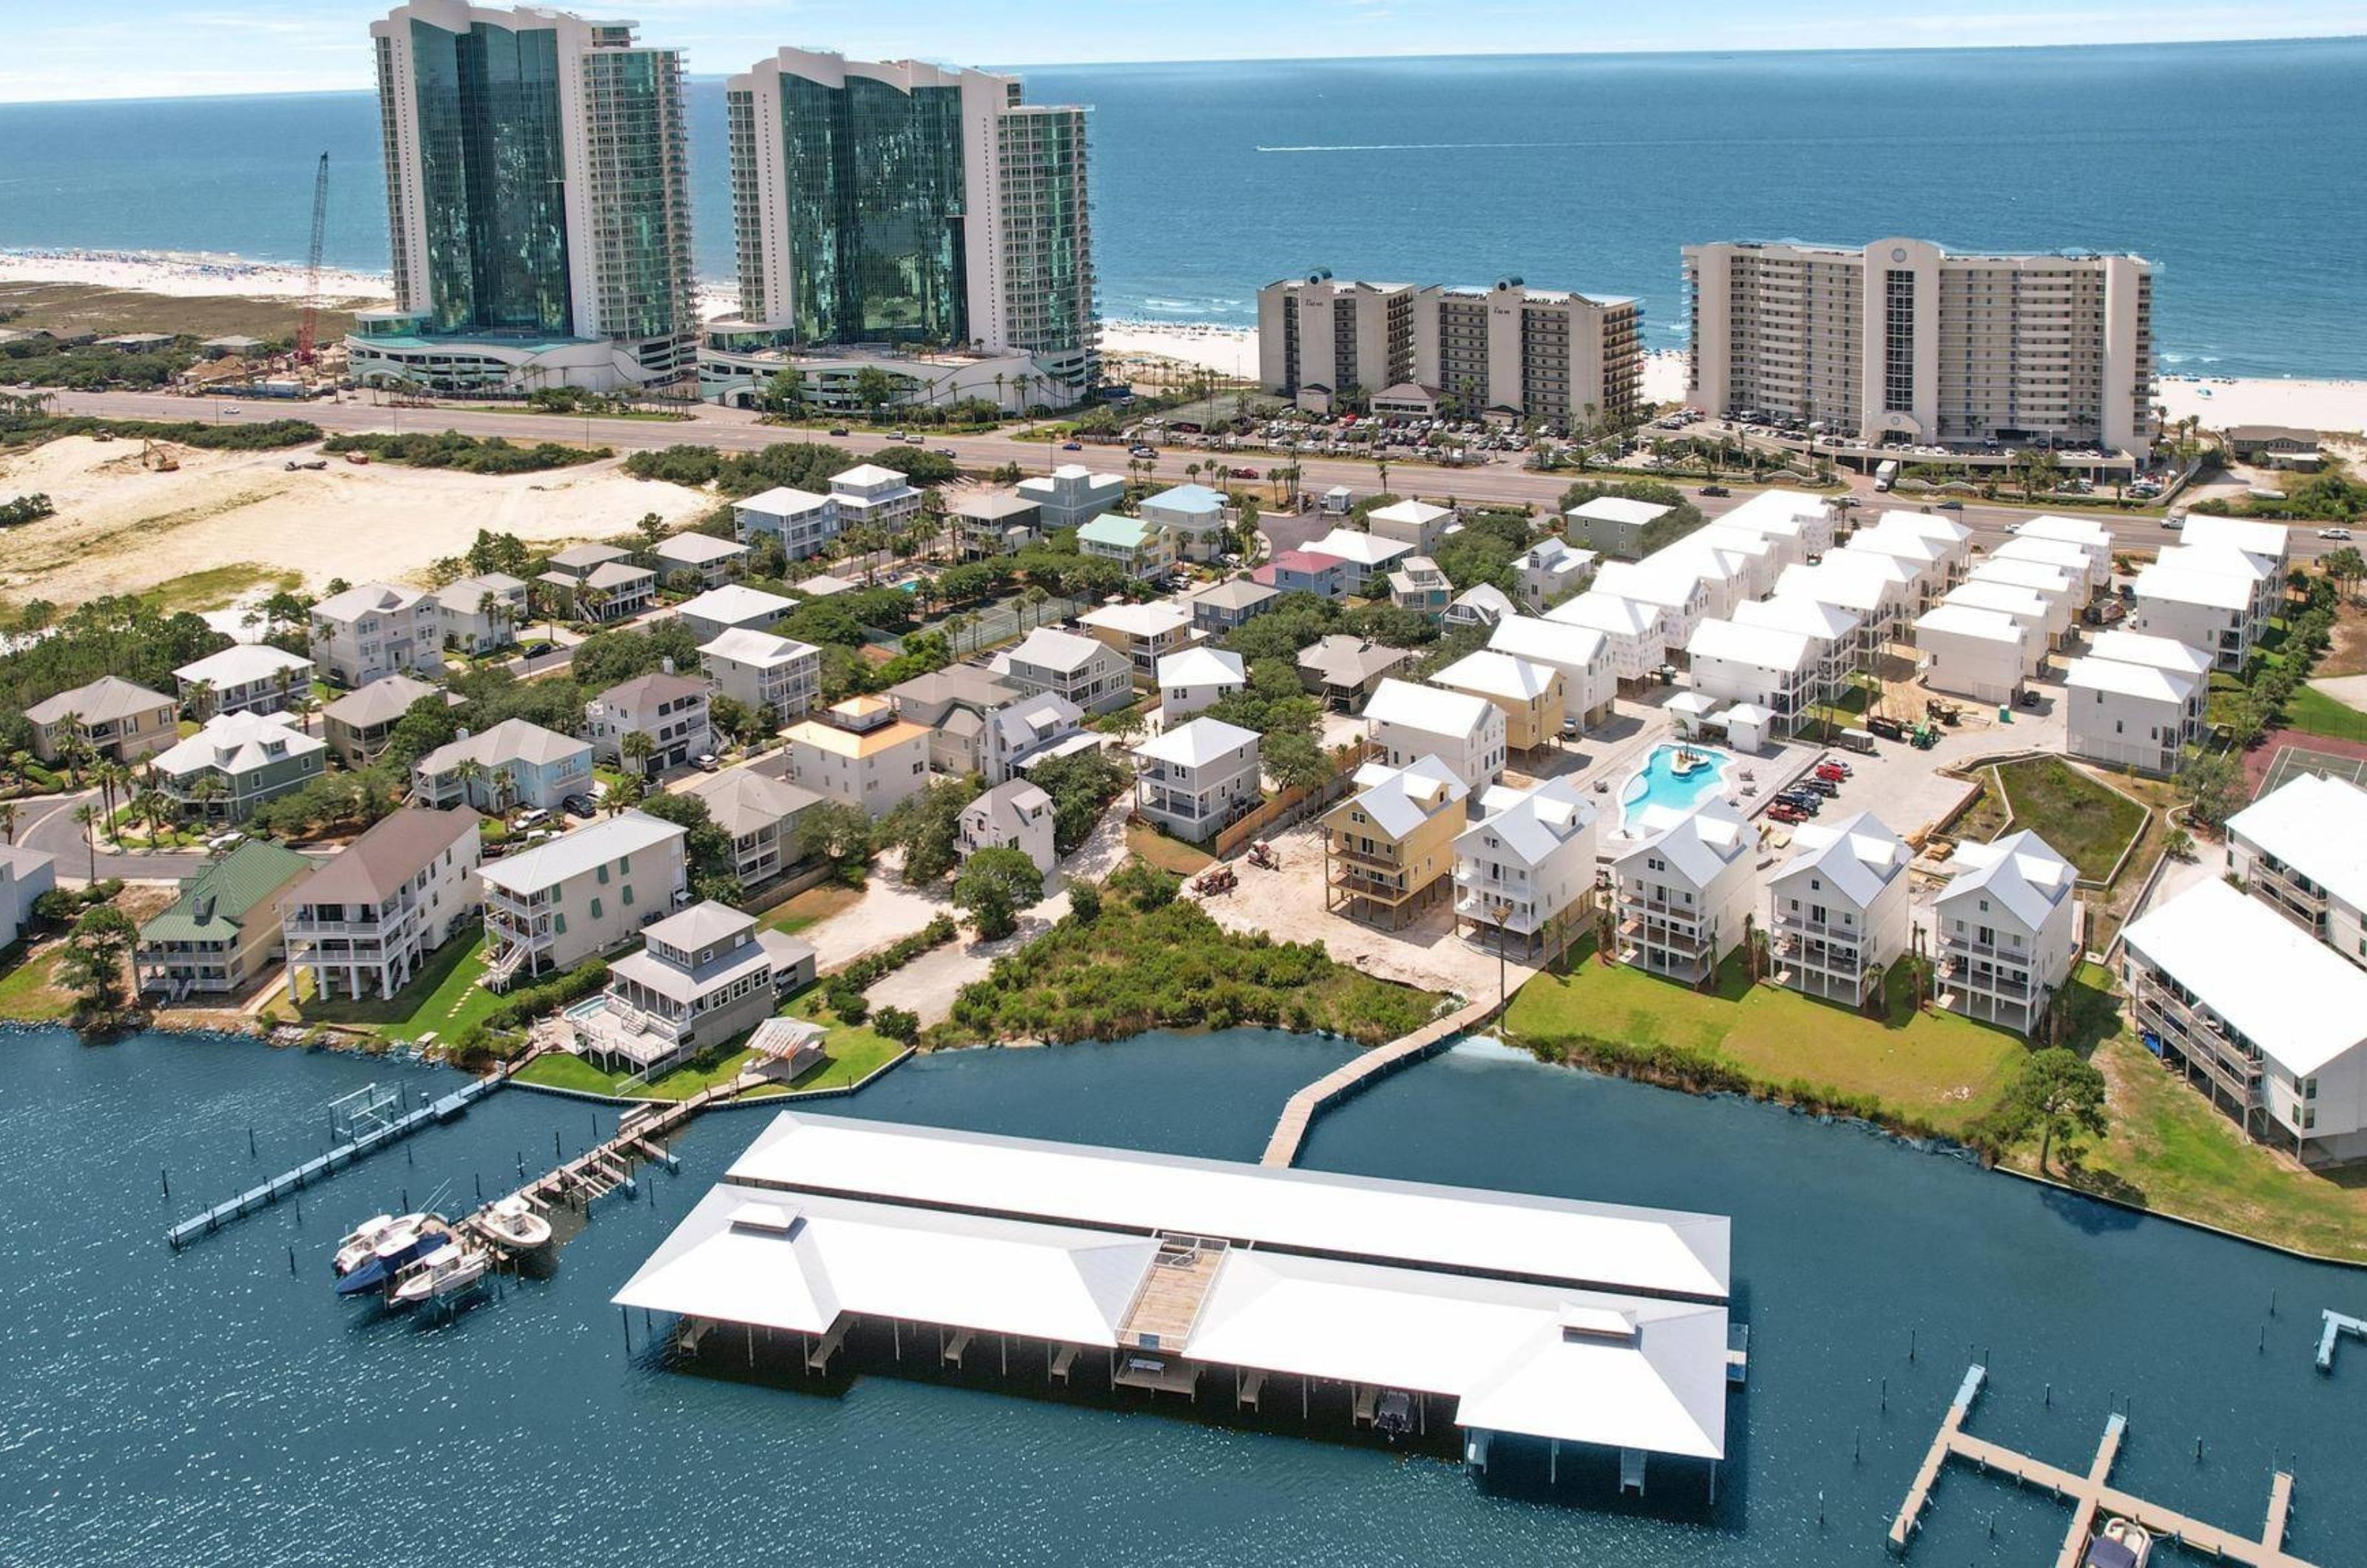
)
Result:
{"points": [[247, 520]]}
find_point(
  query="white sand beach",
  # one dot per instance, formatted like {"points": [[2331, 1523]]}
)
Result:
{"points": [[2326, 406]]}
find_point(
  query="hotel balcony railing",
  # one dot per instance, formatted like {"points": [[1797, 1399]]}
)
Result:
{"points": [[2200, 1038]]}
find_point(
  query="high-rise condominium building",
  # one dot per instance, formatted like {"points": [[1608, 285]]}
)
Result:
{"points": [[901, 203], [1900, 343], [537, 200], [1508, 352]]}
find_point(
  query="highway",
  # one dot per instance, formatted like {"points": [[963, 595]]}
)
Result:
{"points": [[738, 430]]}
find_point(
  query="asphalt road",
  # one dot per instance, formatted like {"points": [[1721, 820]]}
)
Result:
{"points": [[737, 430], [49, 826]]}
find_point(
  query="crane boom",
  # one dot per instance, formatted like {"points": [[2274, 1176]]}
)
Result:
{"points": [[307, 333]]}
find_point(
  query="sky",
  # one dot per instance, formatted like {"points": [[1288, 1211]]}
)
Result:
{"points": [[131, 49]]}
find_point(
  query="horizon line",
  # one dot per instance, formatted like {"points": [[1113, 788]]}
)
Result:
{"points": [[1409, 56]]}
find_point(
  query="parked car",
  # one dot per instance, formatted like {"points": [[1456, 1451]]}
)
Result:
{"points": [[1715, 490], [948, 452], [706, 762], [1952, 507], [838, 430], [581, 804]]}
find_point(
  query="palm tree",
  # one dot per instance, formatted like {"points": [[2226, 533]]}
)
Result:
{"points": [[1383, 465], [87, 814], [504, 788], [8, 820], [628, 791], [636, 747], [201, 698], [1033, 599], [591, 602], [111, 774], [72, 747], [303, 702], [153, 806], [209, 788], [472, 774]]}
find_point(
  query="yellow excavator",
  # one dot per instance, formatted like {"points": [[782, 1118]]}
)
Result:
{"points": [[158, 458]]}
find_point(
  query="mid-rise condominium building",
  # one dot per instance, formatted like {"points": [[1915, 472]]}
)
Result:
{"points": [[896, 202], [1902, 342], [1508, 352], [538, 202]]}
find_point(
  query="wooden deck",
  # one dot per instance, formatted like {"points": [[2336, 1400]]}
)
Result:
{"points": [[1349, 1077], [603, 1169], [1167, 1303], [2090, 1494]]}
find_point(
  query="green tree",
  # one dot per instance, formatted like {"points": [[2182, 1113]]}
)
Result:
{"points": [[92, 965], [2059, 1096], [1085, 902], [2214, 786], [927, 825], [994, 885], [840, 834]]}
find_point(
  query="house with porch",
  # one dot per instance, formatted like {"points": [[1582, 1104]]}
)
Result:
{"points": [[762, 814], [1683, 892], [377, 630], [359, 723], [364, 924], [110, 718], [1838, 911], [1014, 815], [244, 678], [1408, 722], [582, 893], [671, 709], [1197, 778], [763, 672], [222, 932], [1525, 873], [513, 764], [235, 762], [2005, 931], [1388, 849]]}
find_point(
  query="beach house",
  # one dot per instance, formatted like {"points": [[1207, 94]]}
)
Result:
{"points": [[515, 764], [1141, 634], [1550, 571], [763, 673], [1838, 911], [1197, 778], [551, 908], [1589, 678], [222, 933], [1406, 723], [1195, 679], [1525, 873], [2301, 850], [670, 709], [1388, 849], [2005, 931], [374, 630], [803, 523], [1683, 892], [1143, 549], [110, 718], [364, 924], [762, 814], [358, 725], [245, 678], [235, 762], [1194, 517], [479, 614], [1014, 815], [859, 753], [1088, 672], [1529, 695]]}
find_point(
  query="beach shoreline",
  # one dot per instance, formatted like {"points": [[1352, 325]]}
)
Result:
{"points": [[2310, 403]]}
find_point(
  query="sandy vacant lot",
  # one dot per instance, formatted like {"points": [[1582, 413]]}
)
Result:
{"points": [[122, 528]]}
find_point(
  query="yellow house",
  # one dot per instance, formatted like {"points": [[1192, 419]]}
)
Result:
{"points": [[1388, 849], [1531, 695]]}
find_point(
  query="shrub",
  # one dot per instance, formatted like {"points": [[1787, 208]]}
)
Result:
{"points": [[899, 1025]]}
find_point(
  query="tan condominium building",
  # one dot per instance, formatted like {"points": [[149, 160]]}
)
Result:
{"points": [[1506, 351], [1901, 342]]}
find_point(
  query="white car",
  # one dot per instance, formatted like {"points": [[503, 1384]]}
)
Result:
{"points": [[2341, 534]]}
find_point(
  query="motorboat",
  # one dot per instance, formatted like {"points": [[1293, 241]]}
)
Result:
{"points": [[449, 1271], [2123, 1543], [406, 1240], [513, 1223], [359, 1244]]}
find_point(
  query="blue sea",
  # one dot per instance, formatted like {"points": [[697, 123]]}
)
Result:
{"points": [[220, 1408], [2234, 165]]}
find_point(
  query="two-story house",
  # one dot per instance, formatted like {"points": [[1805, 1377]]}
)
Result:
{"points": [[245, 678], [1196, 679], [703, 979], [1346, 671], [1219, 608], [1014, 815], [1090, 673], [237, 762], [696, 560], [995, 523], [1197, 778], [1388, 849], [1406, 723], [669, 708], [1142, 549], [763, 815], [1029, 730], [1590, 678], [733, 606], [375, 630], [765, 673], [515, 764], [551, 908], [1550, 571], [803, 523], [223, 932], [479, 614], [870, 496], [1415, 523], [2004, 930], [1193, 515], [1525, 872], [359, 723], [1838, 910], [859, 753], [364, 924], [1366, 559], [956, 704], [1072, 495], [1418, 585], [1684, 893], [111, 718]]}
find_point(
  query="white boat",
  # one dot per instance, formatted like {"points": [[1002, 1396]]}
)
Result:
{"points": [[513, 1223], [399, 1242], [448, 1271], [361, 1244], [2123, 1543]]}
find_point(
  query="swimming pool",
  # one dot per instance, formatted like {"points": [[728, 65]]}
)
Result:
{"points": [[1656, 787]]}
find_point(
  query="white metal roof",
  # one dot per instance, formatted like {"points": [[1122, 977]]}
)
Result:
{"points": [[2147, 681], [2224, 560], [1669, 584], [1859, 854], [1202, 666], [2212, 590], [2022, 870], [2071, 530], [2070, 554], [1430, 709], [1534, 822], [1761, 648], [2317, 825], [1950, 619], [1596, 1245], [1547, 641], [746, 645], [1608, 614], [1780, 511], [1398, 800], [782, 502], [2249, 535], [2293, 997], [1618, 509], [1798, 613], [1928, 524], [1051, 649], [1419, 513], [1156, 618], [1364, 549], [2025, 605], [573, 854], [1697, 845], [239, 664], [2037, 576], [734, 602], [2142, 647], [1490, 672], [1198, 744]]}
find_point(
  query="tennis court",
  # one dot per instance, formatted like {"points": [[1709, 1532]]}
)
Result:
{"points": [[2292, 761]]}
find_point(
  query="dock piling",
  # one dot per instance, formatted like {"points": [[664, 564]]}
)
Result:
{"points": [[167, 1177], [291, 1262], [250, 1144]]}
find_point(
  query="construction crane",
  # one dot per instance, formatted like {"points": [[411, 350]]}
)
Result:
{"points": [[310, 330]]}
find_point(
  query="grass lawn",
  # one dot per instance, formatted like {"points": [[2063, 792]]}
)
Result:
{"points": [[1931, 1067], [2312, 712], [2168, 1150], [217, 587], [1155, 847], [851, 1053], [28, 989], [810, 907], [445, 997], [2089, 824]]}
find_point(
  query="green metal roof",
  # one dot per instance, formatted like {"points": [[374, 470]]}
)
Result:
{"points": [[216, 901], [1126, 532]]}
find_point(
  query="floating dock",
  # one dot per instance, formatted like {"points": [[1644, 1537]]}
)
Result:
{"points": [[2090, 1494], [1353, 1077], [337, 1158], [2336, 1326]]}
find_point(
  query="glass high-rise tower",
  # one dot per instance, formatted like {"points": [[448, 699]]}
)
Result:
{"points": [[537, 200], [905, 204]]}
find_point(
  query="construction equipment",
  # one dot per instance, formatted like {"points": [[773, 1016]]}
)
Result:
{"points": [[1262, 856], [159, 459], [1216, 879], [307, 333]]}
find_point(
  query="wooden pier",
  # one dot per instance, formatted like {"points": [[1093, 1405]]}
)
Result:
{"points": [[1353, 1077], [603, 1169], [2090, 1494], [337, 1158]]}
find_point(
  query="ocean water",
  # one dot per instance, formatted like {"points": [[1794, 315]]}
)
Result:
{"points": [[2233, 165], [214, 1408]]}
